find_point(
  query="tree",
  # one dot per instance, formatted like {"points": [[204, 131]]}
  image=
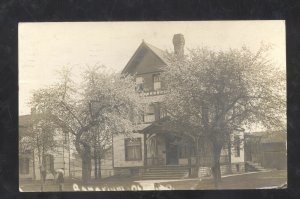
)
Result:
{"points": [[70, 106], [40, 140], [217, 93]]}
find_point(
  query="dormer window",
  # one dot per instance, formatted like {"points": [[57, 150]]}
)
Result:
{"points": [[157, 82], [139, 81]]}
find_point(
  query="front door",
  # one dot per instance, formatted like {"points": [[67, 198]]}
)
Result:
{"points": [[171, 154]]}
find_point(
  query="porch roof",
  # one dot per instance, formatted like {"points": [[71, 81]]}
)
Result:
{"points": [[164, 125]]}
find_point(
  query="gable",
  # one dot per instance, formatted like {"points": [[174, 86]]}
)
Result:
{"points": [[148, 64], [144, 60]]}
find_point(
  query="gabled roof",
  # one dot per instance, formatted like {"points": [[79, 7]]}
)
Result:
{"points": [[156, 51], [160, 53]]}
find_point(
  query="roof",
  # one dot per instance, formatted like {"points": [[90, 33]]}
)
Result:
{"points": [[156, 51], [26, 122], [160, 53], [164, 125], [270, 136]]}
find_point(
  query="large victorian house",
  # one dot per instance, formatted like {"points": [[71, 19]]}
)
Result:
{"points": [[156, 151]]}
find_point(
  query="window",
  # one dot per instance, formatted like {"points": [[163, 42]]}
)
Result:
{"points": [[24, 165], [133, 149], [139, 81], [49, 163], [157, 82], [237, 147], [149, 114]]}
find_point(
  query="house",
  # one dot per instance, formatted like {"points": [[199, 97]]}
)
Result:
{"points": [[267, 148], [32, 153], [155, 151], [62, 155]]}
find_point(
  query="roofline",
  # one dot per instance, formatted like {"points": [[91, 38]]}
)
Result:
{"points": [[143, 44], [130, 60]]}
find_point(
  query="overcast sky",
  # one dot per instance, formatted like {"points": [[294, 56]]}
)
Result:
{"points": [[46, 47]]}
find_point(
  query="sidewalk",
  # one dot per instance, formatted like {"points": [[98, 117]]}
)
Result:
{"points": [[251, 180]]}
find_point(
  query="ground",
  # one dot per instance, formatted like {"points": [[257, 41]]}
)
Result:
{"points": [[255, 180]]}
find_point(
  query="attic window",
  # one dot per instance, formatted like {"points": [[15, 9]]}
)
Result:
{"points": [[139, 81], [157, 82]]}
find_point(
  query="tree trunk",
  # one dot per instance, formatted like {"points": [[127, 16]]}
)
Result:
{"points": [[33, 164], [216, 170], [95, 163], [197, 152], [86, 165], [99, 167], [229, 157]]}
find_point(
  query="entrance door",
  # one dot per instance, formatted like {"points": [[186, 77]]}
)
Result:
{"points": [[171, 154]]}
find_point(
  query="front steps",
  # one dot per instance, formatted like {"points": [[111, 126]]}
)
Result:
{"points": [[253, 166], [165, 173]]}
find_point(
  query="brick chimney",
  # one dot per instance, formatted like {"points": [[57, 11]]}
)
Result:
{"points": [[178, 42]]}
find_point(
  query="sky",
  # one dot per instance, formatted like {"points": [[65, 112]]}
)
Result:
{"points": [[46, 47]]}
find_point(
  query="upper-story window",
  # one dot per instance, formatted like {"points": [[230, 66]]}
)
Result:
{"points": [[149, 114], [139, 81], [237, 146], [157, 82]]}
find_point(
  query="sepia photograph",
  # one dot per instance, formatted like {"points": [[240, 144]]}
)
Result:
{"points": [[169, 105]]}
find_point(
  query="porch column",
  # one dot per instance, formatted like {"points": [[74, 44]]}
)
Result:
{"points": [[145, 149]]}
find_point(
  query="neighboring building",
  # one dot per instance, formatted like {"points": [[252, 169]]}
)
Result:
{"points": [[156, 149], [31, 159], [63, 154], [267, 148]]}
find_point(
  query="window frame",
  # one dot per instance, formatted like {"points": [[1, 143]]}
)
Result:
{"points": [[149, 112], [139, 145], [139, 85], [237, 146], [156, 80]]}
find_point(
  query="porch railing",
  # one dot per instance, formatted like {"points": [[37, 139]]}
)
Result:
{"points": [[154, 92]]}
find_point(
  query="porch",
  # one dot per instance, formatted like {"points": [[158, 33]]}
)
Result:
{"points": [[165, 146]]}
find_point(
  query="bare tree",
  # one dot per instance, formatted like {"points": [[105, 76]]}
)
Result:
{"points": [[217, 93], [68, 103]]}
